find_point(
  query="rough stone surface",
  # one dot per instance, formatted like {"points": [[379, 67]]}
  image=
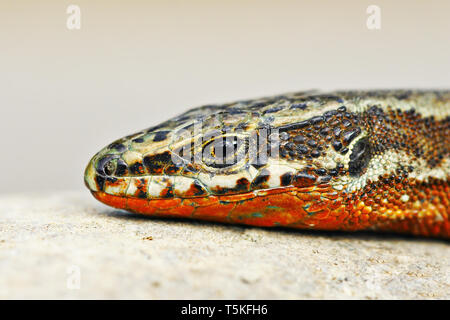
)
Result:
{"points": [[46, 241]]}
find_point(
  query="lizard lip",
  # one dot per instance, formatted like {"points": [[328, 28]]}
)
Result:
{"points": [[224, 209], [143, 187]]}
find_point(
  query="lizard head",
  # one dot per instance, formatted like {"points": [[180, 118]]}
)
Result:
{"points": [[237, 148]]}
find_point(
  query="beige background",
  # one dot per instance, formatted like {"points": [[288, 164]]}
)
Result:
{"points": [[65, 94]]}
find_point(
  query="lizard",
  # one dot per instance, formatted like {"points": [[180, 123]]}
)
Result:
{"points": [[341, 160]]}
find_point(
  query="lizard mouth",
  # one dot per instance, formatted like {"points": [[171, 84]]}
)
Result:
{"points": [[264, 208]]}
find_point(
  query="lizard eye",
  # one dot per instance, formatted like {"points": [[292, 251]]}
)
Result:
{"points": [[360, 157], [223, 152]]}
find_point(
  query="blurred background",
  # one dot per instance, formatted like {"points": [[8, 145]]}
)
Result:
{"points": [[64, 94]]}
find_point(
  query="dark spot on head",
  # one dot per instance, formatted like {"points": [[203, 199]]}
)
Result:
{"points": [[294, 126], [324, 179], [337, 132], [346, 123], [302, 149], [120, 147], [198, 188], [316, 120], [312, 143], [351, 134], [303, 179], [261, 179], [376, 111], [360, 157], [100, 180], [333, 172], [321, 171], [156, 163], [315, 153], [137, 168], [337, 145], [290, 146], [330, 113], [258, 105], [121, 168], [111, 180], [299, 139], [235, 111], [138, 140], [286, 179], [274, 109], [301, 106], [242, 184], [242, 126], [167, 192], [411, 112], [324, 131], [172, 168], [160, 136], [142, 189]]}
